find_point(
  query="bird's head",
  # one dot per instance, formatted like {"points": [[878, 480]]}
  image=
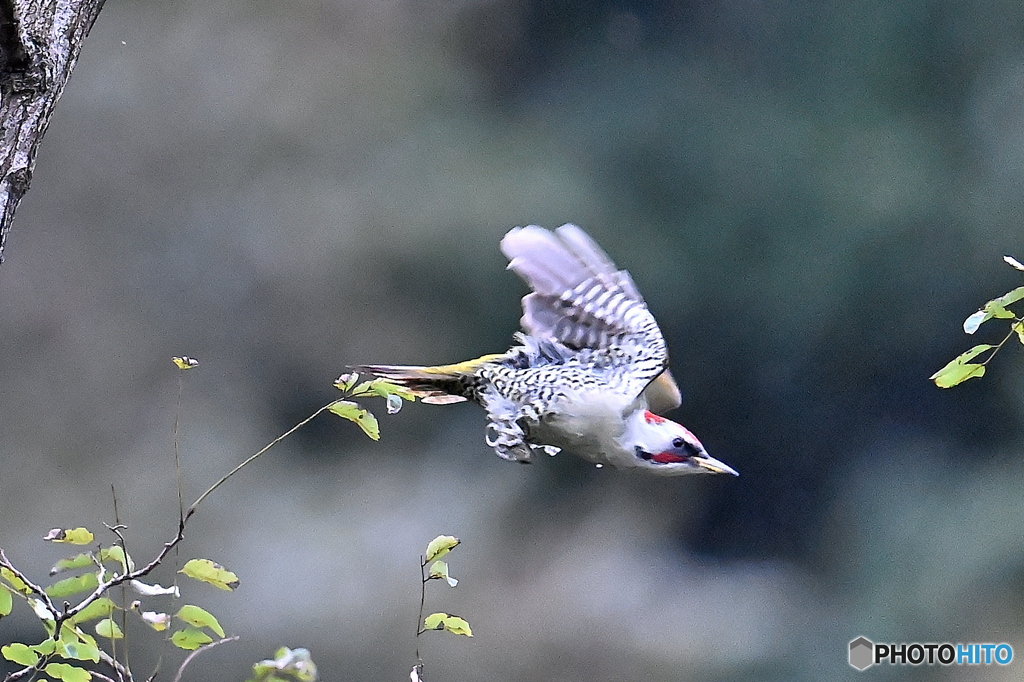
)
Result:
{"points": [[664, 447]]}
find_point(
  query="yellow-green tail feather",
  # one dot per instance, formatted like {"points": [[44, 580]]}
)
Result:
{"points": [[439, 384]]}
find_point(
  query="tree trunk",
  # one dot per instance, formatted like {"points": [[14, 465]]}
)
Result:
{"points": [[39, 45]]}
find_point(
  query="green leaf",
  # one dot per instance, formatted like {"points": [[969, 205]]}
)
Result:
{"points": [[439, 569], [1011, 297], [440, 546], [994, 308], [109, 629], [446, 621], [74, 536], [960, 369], [434, 621], [68, 673], [77, 644], [190, 639], [383, 388], [193, 615], [14, 581], [347, 409], [6, 601], [116, 554], [209, 572], [19, 653], [71, 563], [45, 648], [101, 608], [80, 651], [86, 582], [457, 626], [1019, 328]]}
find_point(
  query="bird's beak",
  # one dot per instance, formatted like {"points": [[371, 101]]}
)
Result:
{"points": [[713, 466]]}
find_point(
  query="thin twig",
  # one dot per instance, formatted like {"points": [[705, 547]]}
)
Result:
{"points": [[192, 509], [205, 647], [116, 530], [102, 676], [17, 675], [156, 670], [423, 598], [177, 462], [992, 353], [123, 673]]}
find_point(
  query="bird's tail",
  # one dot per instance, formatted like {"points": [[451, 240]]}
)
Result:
{"points": [[437, 385]]}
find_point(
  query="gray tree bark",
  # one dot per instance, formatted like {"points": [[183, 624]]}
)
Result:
{"points": [[39, 45]]}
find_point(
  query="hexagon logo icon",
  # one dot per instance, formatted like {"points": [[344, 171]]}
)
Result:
{"points": [[862, 652]]}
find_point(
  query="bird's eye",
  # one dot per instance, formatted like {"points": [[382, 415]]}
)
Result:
{"points": [[677, 442]]}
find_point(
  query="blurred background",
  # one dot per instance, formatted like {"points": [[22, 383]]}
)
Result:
{"points": [[811, 195]]}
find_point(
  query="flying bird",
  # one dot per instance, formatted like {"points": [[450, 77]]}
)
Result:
{"points": [[589, 373]]}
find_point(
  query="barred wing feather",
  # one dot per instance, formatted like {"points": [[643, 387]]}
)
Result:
{"points": [[582, 300]]}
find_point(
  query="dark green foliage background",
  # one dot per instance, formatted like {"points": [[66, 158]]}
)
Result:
{"points": [[812, 196]]}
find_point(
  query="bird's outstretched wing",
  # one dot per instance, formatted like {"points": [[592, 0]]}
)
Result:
{"points": [[581, 300]]}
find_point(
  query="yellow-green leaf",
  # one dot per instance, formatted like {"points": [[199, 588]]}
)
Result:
{"points": [[74, 536], [434, 621], [457, 626], [45, 648], [77, 644], [80, 651], [449, 622], [101, 608], [73, 585], [190, 639], [1019, 328], [14, 581], [209, 572], [116, 554], [347, 409], [960, 369], [109, 629], [19, 653], [193, 615], [439, 569], [6, 601], [71, 563], [185, 362], [68, 673], [383, 388], [440, 546]]}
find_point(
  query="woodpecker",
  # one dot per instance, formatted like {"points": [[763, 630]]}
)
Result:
{"points": [[589, 373]]}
